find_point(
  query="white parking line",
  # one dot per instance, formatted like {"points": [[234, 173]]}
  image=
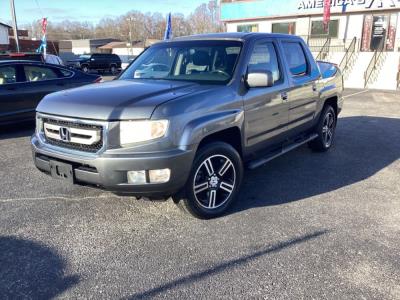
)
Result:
{"points": [[358, 93]]}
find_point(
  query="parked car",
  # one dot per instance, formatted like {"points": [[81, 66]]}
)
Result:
{"points": [[229, 101], [49, 58], [100, 62], [152, 70], [24, 83]]}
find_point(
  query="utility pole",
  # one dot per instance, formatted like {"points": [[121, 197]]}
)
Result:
{"points": [[130, 32], [15, 27]]}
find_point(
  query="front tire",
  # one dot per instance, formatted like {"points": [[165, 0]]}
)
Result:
{"points": [[214, 181], [326, 130]]}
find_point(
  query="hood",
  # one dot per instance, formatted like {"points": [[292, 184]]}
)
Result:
{"points": [[115, 100]]}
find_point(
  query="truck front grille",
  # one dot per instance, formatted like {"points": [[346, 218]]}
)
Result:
{"points": [[78, 136]]}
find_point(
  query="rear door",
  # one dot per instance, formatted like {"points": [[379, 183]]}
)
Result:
{"points": [[266, 111], [303, 94], [97, 62], [41, 80]]}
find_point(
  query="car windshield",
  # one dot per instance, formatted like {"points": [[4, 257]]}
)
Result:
{"points": [[85, 56], [198, 61]]}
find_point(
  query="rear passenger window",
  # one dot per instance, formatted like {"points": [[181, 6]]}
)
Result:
{"points": [[36, 73], [264, 58], [296, 58], [7, 75]]}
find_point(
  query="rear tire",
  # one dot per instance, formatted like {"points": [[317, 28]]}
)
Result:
{"points": [[113, 70], [214, 181], [325, 129]]}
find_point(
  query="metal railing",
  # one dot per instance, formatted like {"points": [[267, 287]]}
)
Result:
{"points": [[373, 65], [323, 53], [348, 55]]}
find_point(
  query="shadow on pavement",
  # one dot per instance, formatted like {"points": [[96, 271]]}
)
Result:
{"points": [[364, 146], [226, 266], [17, 130], [29, 270]]}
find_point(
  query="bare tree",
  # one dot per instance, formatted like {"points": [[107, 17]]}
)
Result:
{"points": [[134, 25]]}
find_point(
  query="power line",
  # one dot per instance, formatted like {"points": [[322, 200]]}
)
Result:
{"points": [[40, 9]]}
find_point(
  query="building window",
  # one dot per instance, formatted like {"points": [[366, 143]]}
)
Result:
{"points": [[288, 28], [317, 29], [247, 28]]}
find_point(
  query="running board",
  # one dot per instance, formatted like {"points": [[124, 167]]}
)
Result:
{"points": [[259, 162]]}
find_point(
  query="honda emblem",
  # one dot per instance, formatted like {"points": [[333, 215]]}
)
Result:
{"points": [[65, 134]]}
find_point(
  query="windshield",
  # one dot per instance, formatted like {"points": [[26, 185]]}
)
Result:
{"points": [[85, 56], [198, 61]]}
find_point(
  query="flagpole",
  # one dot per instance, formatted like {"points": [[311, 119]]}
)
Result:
{"points": [[15, 27]]}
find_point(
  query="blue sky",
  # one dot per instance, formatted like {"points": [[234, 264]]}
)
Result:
{"points": [[90, 10]]}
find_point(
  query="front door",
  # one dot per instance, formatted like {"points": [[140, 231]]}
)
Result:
{"points": [[266, 110], [12, 104]]}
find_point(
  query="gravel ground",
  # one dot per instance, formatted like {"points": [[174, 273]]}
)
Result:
{"points": [[306, 225]]}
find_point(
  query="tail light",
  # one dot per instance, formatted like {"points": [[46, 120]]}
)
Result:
{"points": [[17, 54], [98, 80]]}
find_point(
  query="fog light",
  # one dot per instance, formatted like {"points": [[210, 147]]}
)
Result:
{"points": [[137, 177], [159, 176]]}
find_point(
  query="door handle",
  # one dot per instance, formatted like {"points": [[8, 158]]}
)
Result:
{"points": [[284, 96], [11, 88]]}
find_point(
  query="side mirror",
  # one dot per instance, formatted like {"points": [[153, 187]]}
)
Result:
{"points": [[259, 79]]}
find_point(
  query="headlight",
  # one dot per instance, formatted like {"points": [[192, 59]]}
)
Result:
{"points": [[140, 131], [39, 124]]}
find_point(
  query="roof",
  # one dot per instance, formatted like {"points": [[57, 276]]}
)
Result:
{"points": [[19, 61], [135, 44], [233, 36], [5, 25], [113, 45]]}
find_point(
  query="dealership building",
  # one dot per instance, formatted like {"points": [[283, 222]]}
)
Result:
{"points": [[363, 35]]}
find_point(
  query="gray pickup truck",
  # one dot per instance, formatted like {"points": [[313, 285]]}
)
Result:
{"points": [[188, 115]]}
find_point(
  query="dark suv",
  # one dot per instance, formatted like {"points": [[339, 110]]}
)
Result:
{"points": [[100, 62]]}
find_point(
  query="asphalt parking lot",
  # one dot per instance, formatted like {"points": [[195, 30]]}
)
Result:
{"points": [[307, 225]]}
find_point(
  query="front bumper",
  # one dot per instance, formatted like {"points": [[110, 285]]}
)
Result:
{"points": [[109, 171]]}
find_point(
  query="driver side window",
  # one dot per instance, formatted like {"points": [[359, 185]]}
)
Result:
{"points": [[8, 75], [264, 58]]}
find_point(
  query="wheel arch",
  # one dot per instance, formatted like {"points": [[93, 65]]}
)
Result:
{"points": [[222, 126], [332, 101], [231, 136]]}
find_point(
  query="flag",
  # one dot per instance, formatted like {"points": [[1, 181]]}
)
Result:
{"points": [[43, 44], [344, 7], [168, 28], [44, 26], [327, 14]]}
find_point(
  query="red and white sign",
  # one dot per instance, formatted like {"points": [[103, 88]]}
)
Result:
{"points": [[327, 14], [367, 33], [391, 35]]}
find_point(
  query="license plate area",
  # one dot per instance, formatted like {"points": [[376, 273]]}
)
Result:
{"points": [[62, 171]]}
